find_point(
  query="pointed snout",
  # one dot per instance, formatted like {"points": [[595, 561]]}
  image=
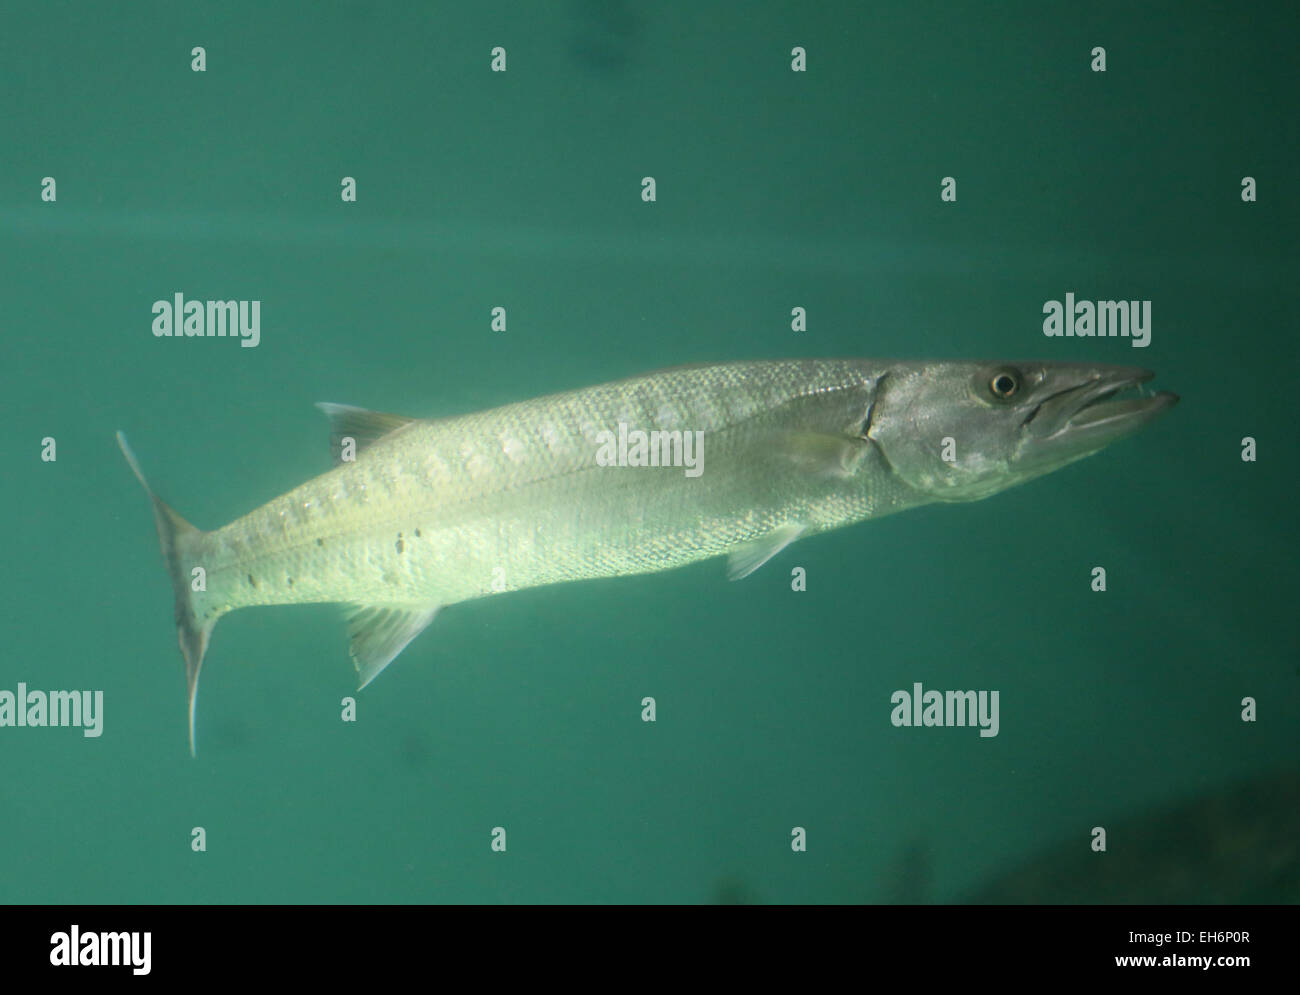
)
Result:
{"points": [[1088, 407]]}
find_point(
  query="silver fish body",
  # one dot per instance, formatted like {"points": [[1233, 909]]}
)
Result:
{"points": [[433, 512]]}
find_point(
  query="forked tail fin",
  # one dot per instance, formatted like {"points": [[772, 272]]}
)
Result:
{"points": [[178, 539]]}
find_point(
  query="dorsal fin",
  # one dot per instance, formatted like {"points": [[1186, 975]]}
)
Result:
{"points": [[361, 425]]}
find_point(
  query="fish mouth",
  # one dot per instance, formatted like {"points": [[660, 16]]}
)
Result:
{"points": [[1100, 410]]}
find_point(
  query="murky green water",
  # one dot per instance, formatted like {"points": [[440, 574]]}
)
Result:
{"points": [[522, 190]]}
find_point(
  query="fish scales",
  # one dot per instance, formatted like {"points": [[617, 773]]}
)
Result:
{"points": [[542, 511], [432, 512]]}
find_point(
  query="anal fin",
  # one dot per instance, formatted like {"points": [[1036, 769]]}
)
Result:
{"points": [[380, 632]]}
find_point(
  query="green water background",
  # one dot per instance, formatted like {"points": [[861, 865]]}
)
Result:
{"points": [[775, 189]]}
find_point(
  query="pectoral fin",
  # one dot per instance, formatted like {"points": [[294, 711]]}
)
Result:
{"points": [[821, 453], [380, 632], [747, 558]]}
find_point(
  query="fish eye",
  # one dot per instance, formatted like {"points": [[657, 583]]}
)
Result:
{"points": [[1004, 384]]}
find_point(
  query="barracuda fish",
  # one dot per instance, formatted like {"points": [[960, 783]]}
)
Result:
{"points": [[432, 512]]}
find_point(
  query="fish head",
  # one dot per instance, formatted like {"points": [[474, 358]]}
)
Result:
{"points": [[963, 431]]}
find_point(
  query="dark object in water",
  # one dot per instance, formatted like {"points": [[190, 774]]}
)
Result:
{"points": [[606, 36], [1236, 845]]}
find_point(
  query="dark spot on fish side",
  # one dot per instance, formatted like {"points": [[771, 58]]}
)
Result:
{"points": [[251, 581]]}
